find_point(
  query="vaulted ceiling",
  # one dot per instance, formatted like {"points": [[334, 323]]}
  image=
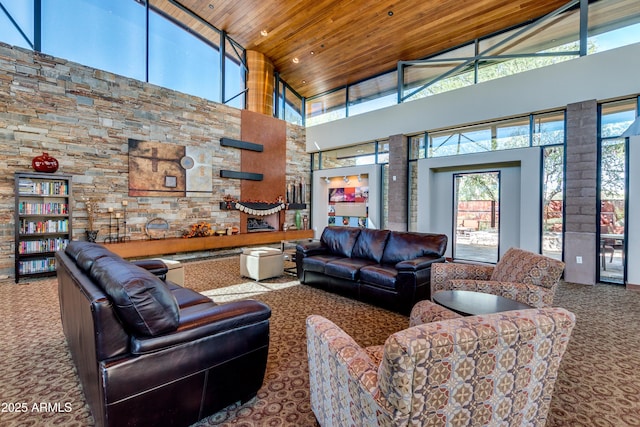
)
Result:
{"points": [[319, 45]]}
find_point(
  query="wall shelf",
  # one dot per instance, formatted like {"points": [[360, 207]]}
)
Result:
{"points": [[148, 248]]}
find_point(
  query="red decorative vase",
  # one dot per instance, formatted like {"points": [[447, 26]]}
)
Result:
{"points": [[44, 163]]}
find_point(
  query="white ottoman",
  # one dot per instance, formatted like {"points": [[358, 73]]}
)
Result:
{"points": [[261, 263], [175, 271]]}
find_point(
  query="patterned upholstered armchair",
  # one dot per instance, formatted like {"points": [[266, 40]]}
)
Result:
{"points": [[520, 275], [497, 369]]}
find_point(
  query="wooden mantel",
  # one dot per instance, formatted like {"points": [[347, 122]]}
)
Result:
{"points": [[150, 248]]}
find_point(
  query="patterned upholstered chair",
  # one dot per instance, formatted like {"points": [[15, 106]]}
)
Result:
{"points": [[497, 369], [520, 275]]}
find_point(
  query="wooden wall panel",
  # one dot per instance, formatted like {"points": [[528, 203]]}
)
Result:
{"points": [[271, 163]]}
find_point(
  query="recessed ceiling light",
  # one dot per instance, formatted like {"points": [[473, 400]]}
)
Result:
{"points": [[390, 13], [264, 33], [210, 6], [304, 82], [312, 53], [295, 60]]}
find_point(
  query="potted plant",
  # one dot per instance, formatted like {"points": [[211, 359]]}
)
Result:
{"points": [[91, 207]]}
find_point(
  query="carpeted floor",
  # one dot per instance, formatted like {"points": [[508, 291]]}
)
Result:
{"points": [[598, 385]]}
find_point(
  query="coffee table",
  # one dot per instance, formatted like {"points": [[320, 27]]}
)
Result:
{"points": [[469, 303]]}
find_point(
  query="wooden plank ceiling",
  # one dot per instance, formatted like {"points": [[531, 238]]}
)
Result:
{"points": [[341, 42]]}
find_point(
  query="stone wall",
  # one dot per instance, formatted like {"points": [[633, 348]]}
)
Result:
{"points": [[581, 194], [397, 188], [84, 117]]}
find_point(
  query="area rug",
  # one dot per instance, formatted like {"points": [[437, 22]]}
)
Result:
{"points": [[598, 383]]}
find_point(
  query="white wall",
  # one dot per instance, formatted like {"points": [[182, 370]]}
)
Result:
{"points": [[519, 194], [602, 76]]}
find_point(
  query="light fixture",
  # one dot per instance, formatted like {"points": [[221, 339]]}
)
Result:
{"points": [[295, 60], [345, 179], [264, 33], [359, 178], [327, 180]]}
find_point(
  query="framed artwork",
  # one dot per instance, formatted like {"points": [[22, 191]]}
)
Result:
{"points": [[165, 169]]}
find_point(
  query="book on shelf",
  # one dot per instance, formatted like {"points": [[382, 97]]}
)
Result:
{"points": [[44, 265], [42, 188]]}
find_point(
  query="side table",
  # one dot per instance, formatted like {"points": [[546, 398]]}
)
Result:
{"points": [[469, 303]]}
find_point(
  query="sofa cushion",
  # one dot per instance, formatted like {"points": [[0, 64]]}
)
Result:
{"points": [[143, 302], [520, 266], [370, 244], [405, 246], [85, 253], [379, 275], [317, 263], [340, 240], [346, 268]]}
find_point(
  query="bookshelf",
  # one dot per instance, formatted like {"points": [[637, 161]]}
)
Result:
{"points": [[42, 222]]}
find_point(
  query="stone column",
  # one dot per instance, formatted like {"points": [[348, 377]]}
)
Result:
{"points": [[397, 192], [259, 83], [580, 246]]}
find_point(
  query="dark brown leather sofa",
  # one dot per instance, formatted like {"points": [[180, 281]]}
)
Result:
{"points": [[387, 268], [149, 352]]}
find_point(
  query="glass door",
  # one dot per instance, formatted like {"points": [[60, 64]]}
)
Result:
{"points": [[476, 216]]}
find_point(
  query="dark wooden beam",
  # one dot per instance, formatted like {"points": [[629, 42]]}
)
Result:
{"points": [[243, 145], [241, 175]]}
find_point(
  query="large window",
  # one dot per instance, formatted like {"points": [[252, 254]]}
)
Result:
{"points": [[502, 135], [16, 23], [326, 108], [552, 201], [373, 94], [104, 35], [289, 104], [548, 128], [554, 38], [615, 118], [115, 36], [181, 61], [234, 75], [548, 132]]}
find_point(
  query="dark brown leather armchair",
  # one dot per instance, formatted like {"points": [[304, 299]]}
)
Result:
{"points": [[150, 352]]}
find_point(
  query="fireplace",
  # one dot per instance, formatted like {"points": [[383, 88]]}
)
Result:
{"points": [[255, 224], [260, 216], [260, 223]]}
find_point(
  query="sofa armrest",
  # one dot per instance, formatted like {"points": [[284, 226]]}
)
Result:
{"points": [[457, 270], [330, 349], [419, 263], [154, 266], [426, 311], [201, 320], [314, 247]]}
